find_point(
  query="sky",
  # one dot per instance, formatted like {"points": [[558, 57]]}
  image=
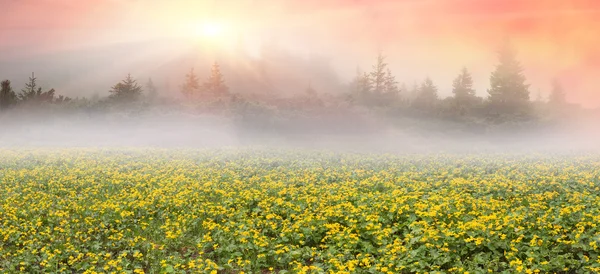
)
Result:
{"points": [[422, 38]]}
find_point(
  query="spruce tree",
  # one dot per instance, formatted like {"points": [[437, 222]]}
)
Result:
{"points": [[509, 94], [7, 95], [390, 83], [126, 90], [215, 84], [378, 74], [33, 93], [427, 95], [191, 86], [31, 90], [462, 88], [360, 87]]}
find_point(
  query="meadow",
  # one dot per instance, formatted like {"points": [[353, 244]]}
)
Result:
{"points": [[291, 211]]}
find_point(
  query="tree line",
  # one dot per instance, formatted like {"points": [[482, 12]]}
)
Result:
{"points": [[508, 97]]}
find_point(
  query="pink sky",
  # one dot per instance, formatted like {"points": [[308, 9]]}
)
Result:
{"points": [[555, 38]]}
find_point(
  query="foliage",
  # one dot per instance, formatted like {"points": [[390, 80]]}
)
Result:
{"points": [[128, 90], [508, 93], [228, 211], [378, 76], [215, 84], [191, 86], [7, 96], [427, 96], [32, 93], [464, 94], [378, 88]]}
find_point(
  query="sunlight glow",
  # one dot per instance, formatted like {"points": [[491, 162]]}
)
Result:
{"points": [[211, 30]]}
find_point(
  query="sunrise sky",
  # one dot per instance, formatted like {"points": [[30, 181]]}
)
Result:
{"points": [[554, 38]]}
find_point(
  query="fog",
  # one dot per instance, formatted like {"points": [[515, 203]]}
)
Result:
{"points": [[361, 133], [272, 52]]}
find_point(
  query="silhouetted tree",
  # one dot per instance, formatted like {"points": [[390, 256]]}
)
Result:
{"points": [[126, 90], [359, 87], [390, 84], [191, 86], [378, 75], [215, 84], [7, 96], [33, 93], [557, 95], [311, 97], [464, 94], [64, 99], [31, 89], [391, 91], [509, 94], [427, 95]]}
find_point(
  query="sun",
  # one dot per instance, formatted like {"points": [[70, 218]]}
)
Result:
{"points": [[211, 34], [211, 29]]}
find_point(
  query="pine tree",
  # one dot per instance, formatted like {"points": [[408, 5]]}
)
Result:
{"points": [[557, 95], [427, 96], [390, 83], [378, 75], [7, 95], [63, 99], [215, 84], [191, 87], [363, 83], [33, 93], [31, 90], [126, 90], [462, 88], [360, 87], [508, 94]]}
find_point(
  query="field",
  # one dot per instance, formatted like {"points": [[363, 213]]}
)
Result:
{"points": [[258, 211]]}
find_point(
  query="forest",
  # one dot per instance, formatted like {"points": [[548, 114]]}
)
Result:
{"points": [[371, 100]]}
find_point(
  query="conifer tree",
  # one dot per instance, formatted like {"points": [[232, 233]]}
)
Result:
{"points": [[33, 93], [215, 84], [378, 75], [462, 88], [191, 86], [126, 90], [509, 94], [7, 95], [427, 95], [390, 83], [31, 90], [361, 87]]}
